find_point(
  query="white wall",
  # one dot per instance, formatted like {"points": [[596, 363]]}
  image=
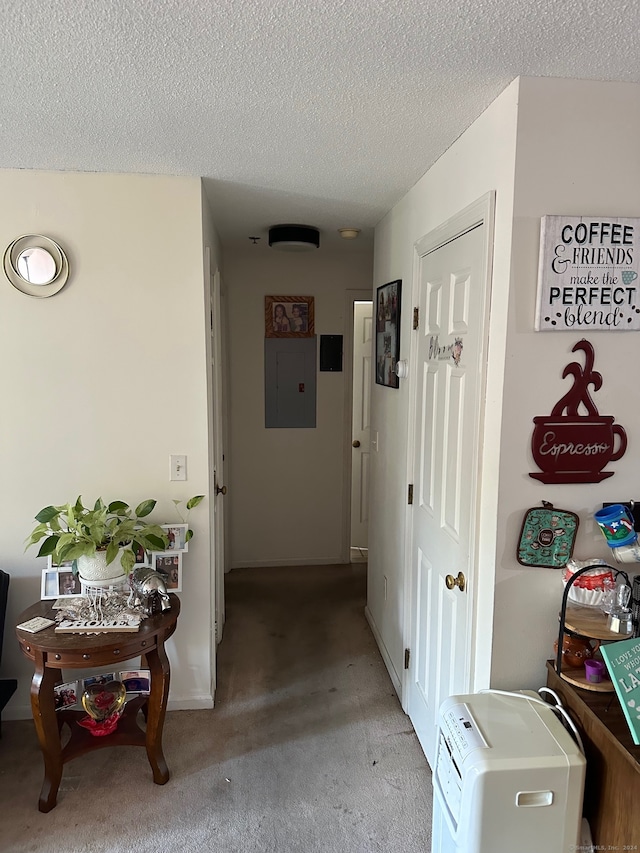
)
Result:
{"points": [[574, 153], [101, 382], [480, 161], [577, 155], [286, 485]]}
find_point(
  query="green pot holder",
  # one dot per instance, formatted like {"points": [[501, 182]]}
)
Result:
{"points": [[547, 537]]}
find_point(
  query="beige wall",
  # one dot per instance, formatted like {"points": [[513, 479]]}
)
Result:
{"points": [[286, 485], [101, 382], [576, 156], [480, 161], [545, 146]]}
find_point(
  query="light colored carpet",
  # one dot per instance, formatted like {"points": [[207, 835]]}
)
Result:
{"points": [[306, 750]]}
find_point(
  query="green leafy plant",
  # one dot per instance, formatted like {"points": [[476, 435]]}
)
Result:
{"points": [[189, 505], [73, 530]]}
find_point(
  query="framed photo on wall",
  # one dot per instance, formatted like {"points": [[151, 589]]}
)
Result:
{"points": [[387, 313], [288, 317]]}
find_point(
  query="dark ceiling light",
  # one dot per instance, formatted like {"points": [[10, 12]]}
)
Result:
{"points": [[294, 238]]}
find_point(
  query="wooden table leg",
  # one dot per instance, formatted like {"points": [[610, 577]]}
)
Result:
{"points": [[48, 731], [158, 664]]}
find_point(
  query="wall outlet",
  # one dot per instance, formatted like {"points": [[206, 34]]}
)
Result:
{"points": [[178, 467]]}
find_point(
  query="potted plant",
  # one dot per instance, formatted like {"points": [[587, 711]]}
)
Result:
{"points": [[94, 537]]}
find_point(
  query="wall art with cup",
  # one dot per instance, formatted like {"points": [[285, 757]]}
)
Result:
{"points": [[574, 443]]}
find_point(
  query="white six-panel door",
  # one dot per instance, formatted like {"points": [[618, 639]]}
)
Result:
{"points": [[452, 284]]}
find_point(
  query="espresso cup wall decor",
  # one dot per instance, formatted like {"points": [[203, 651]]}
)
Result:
{"points": [[573, 447]]}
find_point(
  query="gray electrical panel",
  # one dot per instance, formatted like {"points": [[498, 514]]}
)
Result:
{"points": [[290, 383]]}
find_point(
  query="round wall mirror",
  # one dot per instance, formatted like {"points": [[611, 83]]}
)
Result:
{"points": [[36, 265]]}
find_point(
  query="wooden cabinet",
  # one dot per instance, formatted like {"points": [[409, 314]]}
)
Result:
{"points": [[612, 787]]}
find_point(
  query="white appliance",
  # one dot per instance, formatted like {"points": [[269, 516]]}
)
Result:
{"points": [[509, 777]]}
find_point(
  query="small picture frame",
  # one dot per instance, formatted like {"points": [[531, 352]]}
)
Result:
{"points": [[102, 678], [59, 582], [66, 564], [142, 558], [387, 310], [66, 695], [289, 317], [136, 680], [169, 565], [177, 536]]}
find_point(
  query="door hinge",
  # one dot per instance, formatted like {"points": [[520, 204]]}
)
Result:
{"points": [[416, 318], [407, 656], [410, 494]]}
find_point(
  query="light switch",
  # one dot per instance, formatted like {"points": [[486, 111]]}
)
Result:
{"points": [[178, 465]]}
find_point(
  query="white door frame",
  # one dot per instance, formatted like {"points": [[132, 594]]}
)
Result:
{"points": [[215, 387], [480, 212], [351, 296]]}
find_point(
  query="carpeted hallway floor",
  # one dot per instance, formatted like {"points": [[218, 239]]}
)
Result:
{"points": [[306, 751]]}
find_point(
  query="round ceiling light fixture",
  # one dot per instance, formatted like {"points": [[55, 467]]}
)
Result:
{"points": [[348, 233], [294, 238]]}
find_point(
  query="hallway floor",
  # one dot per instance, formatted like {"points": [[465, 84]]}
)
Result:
{"points": [[320, 723]]}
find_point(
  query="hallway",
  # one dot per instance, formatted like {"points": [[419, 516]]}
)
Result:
{"points": [[306, 710]]}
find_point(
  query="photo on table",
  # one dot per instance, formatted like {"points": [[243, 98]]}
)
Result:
{"points": [[66, 695], [59, 581], [169, 565], [177, 536], [103, 678], [136, 680]]}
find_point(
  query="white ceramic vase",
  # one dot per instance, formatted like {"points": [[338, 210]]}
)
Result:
{"points": [[95, 568]]}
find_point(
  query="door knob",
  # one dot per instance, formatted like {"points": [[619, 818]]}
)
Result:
{"points": [[459, 581], [355, 443], [221, 490]]}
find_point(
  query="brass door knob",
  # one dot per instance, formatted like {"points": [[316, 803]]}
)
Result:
{"points": [[221, 490], [355, 443], [459, 581]]}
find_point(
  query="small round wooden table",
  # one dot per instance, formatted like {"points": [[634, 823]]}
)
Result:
{"points": [[52, 652]]}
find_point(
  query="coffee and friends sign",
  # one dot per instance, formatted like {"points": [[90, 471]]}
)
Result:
{"points": [[588, 274]]}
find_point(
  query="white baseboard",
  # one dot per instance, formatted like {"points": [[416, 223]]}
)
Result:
{"points": [[194, 703], [386, 657], [265, 564]]}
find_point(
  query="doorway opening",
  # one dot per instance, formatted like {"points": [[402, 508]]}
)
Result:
{"points": [[362, 336]]}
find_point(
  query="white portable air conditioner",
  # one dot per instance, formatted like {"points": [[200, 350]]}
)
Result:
{"points": [[509, 777]]}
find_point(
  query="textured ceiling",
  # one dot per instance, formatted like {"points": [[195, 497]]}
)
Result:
{"points": [[323, 112]]}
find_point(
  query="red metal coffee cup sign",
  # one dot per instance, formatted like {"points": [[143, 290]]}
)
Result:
{"points": [[573, 447], [588, 274]]}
